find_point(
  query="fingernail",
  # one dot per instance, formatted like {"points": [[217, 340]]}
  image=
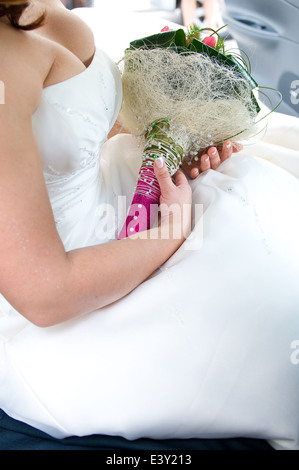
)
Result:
{"points": [[160, 162], [207, 159], [214, 152], [228, 145]]}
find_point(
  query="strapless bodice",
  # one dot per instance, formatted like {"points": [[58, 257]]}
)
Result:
{"points": [[71, 125]]}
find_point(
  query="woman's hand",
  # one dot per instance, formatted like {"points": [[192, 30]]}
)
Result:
{"points": [[193, 165], [175, 201]]}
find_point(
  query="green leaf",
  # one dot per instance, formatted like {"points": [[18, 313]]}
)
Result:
{"points": [[165, 39], [180, 38]]}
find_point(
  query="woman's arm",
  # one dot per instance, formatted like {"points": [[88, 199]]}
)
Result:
{"points": [[42, 281]]}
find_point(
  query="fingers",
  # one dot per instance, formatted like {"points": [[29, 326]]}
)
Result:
{"points": [[165, 181], [180, 179], [205, 163], [211, 159], [194, 172], [162, 175], [215, 156], [193, 166], [227, 150], [237, 147]]}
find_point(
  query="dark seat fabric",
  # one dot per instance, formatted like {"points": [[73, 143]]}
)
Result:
{"points": [[15, 435]]}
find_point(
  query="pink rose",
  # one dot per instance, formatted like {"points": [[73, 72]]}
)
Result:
{"points": [[166, 28], [210, 41]]}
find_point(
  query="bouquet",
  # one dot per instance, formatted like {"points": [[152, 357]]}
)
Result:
{"points": [[181, 95]]}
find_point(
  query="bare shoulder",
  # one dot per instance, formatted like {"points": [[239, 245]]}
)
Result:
{"points": [[69, 30], [31, 59], [25, 61]]}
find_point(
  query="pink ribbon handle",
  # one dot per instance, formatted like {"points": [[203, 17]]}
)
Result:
{"points": [[144, 206]]}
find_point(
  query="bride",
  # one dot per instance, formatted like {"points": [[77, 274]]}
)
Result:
{"points": [[186, 336]]}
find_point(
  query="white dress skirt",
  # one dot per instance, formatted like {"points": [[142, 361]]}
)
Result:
{"points": [[208, 346]]}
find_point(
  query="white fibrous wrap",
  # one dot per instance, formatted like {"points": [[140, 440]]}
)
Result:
{"points": [[203, 99]]}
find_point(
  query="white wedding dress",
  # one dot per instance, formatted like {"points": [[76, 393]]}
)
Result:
{"points": [[208, 346]]}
